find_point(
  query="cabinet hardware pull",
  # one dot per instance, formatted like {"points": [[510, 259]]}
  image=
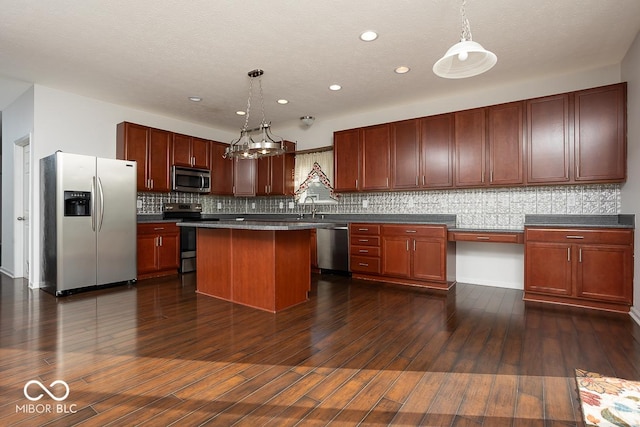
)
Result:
{"points": [[575, 237], [491, 176], [410, 231], [423, 180], [407, 246], [363, 229], [363, 251], [158, 228], [363, 240], [483, 238], [569, 254], [414, 245], [363, 264], [580, 255], [417, 177], [160, 238]]}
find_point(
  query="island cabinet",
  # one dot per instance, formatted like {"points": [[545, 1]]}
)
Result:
{"points": [[588, 267], [221, 170], [190, 151], [150, 148], [275, 174], [422, 153], [407, 254], [158, 246], [362, 159]]}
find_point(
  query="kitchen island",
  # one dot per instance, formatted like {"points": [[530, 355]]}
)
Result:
{"points": [[260, 264]]}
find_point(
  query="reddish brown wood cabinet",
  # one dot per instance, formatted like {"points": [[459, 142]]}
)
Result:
{"points": [[600, 134], [407, 254], [244, 177], [362, 159], [505, 127], [470, 136], [548, 140], [422, 153], [275, 174], [589, 267], [221, 170], [158, 249], [190, 151], [150, 148]]}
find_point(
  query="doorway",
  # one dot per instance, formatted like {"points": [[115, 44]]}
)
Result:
{"points": [[23, 207]]}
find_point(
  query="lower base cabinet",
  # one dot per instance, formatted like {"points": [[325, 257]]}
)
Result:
{"points": [[406, 254], [585, 267], [158, 249]]}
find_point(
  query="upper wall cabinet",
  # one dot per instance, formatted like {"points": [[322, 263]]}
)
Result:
{"points": [[346, 158], [600, 134], [221, 170], [548, 140], [505, 125], [190, 151], [150, 148], [275, 174], [577, 137], [470, 136]]}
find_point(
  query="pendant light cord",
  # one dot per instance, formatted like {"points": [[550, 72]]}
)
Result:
{"points": [[466, 29]]}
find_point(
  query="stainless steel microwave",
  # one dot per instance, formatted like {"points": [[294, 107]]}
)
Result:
{"points": [[190, 180]]}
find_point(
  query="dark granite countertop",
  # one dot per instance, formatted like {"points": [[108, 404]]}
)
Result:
{"points": [[604, 221], [259, 225]]}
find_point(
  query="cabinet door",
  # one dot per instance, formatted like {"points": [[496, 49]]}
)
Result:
{"points": [[600, 134], [436, 151], [181, 150], [548, 268], [429, 259], [159, 155], [548, 140], [396, 256], [168, 251], [146, 253], [405, 154], [263, 176], [200, 153], [605, 272], [470, 143], [346, 159], [133, 145], [505, 144], [221, 170], [314, 249], [376, 162], [244, 173]]}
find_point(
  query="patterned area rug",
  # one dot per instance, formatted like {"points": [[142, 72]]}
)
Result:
{"points": [[608, 401]]}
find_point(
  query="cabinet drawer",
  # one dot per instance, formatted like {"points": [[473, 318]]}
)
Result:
{"points": [[501, 237], [580, 235], [368, 229], [158, 228], [364, 240], [415, 230], [365, 264], [365, 250]]}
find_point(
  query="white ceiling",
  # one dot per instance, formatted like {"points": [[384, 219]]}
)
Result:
{"points": [[154, 54]]}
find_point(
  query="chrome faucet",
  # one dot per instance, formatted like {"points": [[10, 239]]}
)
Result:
{"points": [[313, 206]]}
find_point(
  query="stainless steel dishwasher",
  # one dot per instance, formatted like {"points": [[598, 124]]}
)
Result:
{"points": [[333, 248]]}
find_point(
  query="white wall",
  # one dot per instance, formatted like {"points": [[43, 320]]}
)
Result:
{"points": [[17, 122], [631, 189], [68, 122]]}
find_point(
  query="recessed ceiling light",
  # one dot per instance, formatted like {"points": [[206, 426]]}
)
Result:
{"points": [[241, 113], [402, 69], [195, 98], [282, 101], [368, 36], [335, 87]]}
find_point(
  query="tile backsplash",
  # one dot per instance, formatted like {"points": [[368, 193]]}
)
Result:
{"points": [[475, 208]]}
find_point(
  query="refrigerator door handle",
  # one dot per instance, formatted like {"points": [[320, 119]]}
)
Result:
{"points": [[101, 204], [93, 202]]}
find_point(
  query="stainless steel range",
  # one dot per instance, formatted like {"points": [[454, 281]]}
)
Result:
{"points": [[186, 212]]}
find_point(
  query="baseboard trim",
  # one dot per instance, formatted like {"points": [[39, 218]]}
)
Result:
{"points": [[635, 314], [6, 272]]}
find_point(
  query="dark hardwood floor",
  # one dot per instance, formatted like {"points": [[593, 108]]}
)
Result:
{"points": [[356, 353]]}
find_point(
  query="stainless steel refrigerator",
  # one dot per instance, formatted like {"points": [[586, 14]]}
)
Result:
{"points": [[88, 222]]}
